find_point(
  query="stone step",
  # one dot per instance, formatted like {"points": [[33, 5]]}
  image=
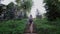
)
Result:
{"points": [[30, 33], [30, 28]]}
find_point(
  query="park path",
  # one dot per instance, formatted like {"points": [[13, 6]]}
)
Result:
{"points": [[30, 29]]}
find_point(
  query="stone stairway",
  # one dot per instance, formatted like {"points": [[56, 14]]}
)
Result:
{"points": [[30, 29]]}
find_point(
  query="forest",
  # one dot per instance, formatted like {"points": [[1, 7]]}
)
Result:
{"points": [[14, 18]]}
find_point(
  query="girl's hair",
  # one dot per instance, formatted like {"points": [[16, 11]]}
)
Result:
{"points": [[30, 15]]}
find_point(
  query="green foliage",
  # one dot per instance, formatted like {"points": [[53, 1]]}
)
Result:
{"points": [[1, 8], [18, 1], [10, 11], [53, 14], [43, 26], [12, 26], [10, 5], [53, 11], [25, 5]]}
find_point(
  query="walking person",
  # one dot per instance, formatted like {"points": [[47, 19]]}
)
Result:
{"points": [[31, 24], [30, 20]]}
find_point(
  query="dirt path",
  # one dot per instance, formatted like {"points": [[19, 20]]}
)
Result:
{"points": [[30, 29]]}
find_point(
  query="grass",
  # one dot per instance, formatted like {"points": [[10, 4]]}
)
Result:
{"points": [[12, 26], [43, 26]]}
